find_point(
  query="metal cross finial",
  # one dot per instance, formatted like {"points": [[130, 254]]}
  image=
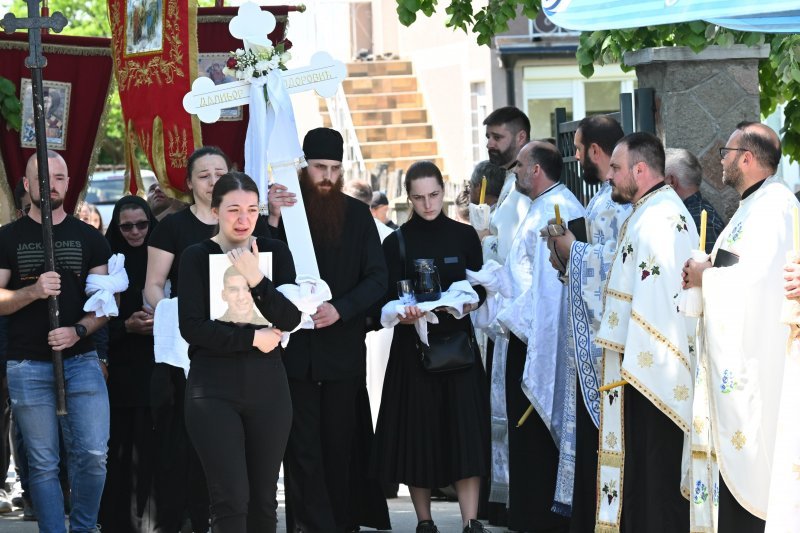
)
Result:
{"points": [[11, 23]]}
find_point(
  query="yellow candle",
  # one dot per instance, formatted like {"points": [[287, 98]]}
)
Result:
{"points": [[525, 416], [558, 215], [614, 385], [483, 190], [703, 225], [796, 225]]}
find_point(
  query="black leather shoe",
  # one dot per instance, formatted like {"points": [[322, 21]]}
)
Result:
{"points": [[474, 526], [427, 526]]}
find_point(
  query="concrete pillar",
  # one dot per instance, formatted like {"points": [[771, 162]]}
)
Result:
{"points": [[699, 99]]}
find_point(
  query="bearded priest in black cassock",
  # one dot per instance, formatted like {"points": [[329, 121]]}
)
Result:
{"points": [[326, 366]]}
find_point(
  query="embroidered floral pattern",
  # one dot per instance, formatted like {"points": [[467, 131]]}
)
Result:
{"points": [[649, 268], [680, 223], [699, 424], [627, 249], [728, 382], [735, 234], [645, 359], [610, 490], [613, 320], [716, 495], [611, 440], [738, 440], [681, 393], [700, 493], [612, 395]]}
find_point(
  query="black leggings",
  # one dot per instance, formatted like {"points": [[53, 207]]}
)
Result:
{"points": [[238, 415]]}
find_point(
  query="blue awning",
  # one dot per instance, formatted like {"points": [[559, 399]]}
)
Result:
{"points": [[770, 16]]}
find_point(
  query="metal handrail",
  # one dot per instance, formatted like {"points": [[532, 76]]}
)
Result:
{"points": [[342, 120]]}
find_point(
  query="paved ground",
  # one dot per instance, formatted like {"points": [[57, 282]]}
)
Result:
{"points": [[446, 515]]}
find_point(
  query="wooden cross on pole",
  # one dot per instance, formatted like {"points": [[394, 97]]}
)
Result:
{"points": [[35, 23]]}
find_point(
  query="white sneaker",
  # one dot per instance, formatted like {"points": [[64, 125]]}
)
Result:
{"points": [[5, 502]]}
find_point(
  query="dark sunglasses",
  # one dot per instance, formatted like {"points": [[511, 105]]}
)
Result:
{"points": [[128, 226]]}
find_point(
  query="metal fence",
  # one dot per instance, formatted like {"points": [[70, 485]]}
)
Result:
{"points": [[643, 120]]}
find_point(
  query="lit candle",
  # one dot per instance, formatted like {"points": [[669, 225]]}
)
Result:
{"points": [[703, 225], [796, 225], [483, 190], [558, 215]]}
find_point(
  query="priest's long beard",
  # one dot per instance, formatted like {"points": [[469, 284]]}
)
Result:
{"points": [[325, 210]]}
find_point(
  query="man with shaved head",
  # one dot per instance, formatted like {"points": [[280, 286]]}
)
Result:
{"points": [[25, 286], [531, 315], [736, 404]]}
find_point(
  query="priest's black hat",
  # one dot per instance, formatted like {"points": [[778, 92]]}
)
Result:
{"points": [[323, 143]]}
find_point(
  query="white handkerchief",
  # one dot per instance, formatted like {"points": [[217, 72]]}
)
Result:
{"points": [[101, 288]]}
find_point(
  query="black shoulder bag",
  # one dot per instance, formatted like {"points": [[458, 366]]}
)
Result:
{"points": [[445, 352]]}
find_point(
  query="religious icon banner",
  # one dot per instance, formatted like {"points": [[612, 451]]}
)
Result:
{"points": [[155, 59], [77, 81]]}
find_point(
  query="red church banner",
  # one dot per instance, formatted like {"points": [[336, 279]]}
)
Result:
{"points": [[77, 80], [159, 50], [155, 59]]}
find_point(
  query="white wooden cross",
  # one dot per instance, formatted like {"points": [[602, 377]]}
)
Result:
{"points": [[280, 152]]}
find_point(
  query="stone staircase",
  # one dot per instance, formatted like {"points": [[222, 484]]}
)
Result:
{"points": [[389, 115]]}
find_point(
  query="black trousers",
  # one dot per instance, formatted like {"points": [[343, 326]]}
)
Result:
{"points": [[126, 506], [733, 518], [532, 455], [317, 462], [238, 415], [652, 484], [584, 495], [179, 485]]}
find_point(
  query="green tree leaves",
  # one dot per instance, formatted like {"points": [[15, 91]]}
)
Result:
{"points": [[779, 75]]}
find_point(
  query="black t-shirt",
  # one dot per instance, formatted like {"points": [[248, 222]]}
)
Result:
{"points": [[180, 230], [78, 248]]}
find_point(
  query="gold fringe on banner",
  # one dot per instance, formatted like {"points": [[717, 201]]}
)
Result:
{"points": [[7, 209], [98, 140], [197, 133], [58, 48], [227, 18]]}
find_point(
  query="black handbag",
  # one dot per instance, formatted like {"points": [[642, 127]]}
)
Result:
{"points": [[445, 352]]}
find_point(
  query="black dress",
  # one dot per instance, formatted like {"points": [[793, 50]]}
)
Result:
{"points": [[433, 429]]}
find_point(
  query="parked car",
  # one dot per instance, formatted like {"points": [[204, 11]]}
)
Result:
{"points": [[106, 187]]}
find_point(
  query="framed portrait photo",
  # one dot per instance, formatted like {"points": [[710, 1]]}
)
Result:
{"points": [[56, 114], [144, 27], [229, 295], [210, 65]]}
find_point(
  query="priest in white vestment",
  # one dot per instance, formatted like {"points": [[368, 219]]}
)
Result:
{"points": [[586, 265], [507, 131], [743, 342], [531, 315], [646, 404]]}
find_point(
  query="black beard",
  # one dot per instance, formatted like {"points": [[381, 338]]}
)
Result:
{"points": [[325, 211], [591, 174], [54, 204], [501, 159]]}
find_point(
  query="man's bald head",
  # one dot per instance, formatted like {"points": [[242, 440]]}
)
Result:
{"points": [[59, 180], [547, 156], [762, 142], [32, 166]]}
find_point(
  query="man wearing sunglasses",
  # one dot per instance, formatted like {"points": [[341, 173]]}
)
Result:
{"points": [[745, 341], [79, 250]]}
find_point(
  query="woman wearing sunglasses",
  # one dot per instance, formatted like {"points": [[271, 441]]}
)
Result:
{"points": [[130, 446]]}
